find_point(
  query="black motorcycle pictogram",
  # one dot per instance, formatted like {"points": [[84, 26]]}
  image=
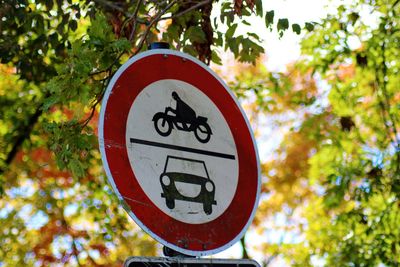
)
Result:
{"points": [[183, 118]]}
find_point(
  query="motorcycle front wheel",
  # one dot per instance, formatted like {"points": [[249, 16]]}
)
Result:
{"points": [[162, 125], [203, 132]]}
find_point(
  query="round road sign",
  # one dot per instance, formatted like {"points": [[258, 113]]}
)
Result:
{"points": [[179, 152]]}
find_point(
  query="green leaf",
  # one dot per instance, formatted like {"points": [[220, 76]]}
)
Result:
{"points": [[353, 17], [269, 18], [218, 41], [173, 32], [100, 29], [195, 34], [246, 12], [215, 58], [250, 51], [121, 44], [231, 31], [73, 25], [296, 28], [39, 23], [189, 49], [222, 17], [49, 102], [53, 39], [49, 4], [283, 25], [233, 44], [309, 26], [259, 8], [76, 167], [255, 36]]}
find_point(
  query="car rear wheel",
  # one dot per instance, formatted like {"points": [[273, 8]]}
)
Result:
{"points": [[207, 209]]}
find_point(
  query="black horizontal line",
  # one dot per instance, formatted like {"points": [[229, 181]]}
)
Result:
{"points": [[182, 148]]}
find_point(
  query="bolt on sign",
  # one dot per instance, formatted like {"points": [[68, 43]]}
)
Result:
{"points": [[179, 152]]}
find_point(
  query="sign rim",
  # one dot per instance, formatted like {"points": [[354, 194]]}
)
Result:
{"points": [[110, 177]]}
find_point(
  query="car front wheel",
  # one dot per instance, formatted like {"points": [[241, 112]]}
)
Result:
{"points": [[170, 203]]}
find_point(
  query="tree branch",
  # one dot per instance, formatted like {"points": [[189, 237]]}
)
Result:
{"points": [[385, 104], [134, 16], [112, 5], [99, 98], [200, 4], [269, 260], [245, 255], [75, 251], [153, 21], [386, 96], [24, 133]]}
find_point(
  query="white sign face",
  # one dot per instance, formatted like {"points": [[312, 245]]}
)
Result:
{"points": [[182, 151]]}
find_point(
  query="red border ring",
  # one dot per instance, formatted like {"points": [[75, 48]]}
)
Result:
{"points": [[191, 239]]}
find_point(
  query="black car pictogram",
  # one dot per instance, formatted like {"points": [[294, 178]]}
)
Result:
{"points": [[195, 176]]}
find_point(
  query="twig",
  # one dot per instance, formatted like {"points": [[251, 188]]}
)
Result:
{"points": [[135, 13], [382, 107], [390, 115], [112, 5], [154, 20], [386, 96], [203, 3], [25, 133], [99, 98], [75, 251], [245, 255]]}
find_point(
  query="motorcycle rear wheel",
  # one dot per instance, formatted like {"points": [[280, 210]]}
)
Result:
{"points": [[203, 132]]}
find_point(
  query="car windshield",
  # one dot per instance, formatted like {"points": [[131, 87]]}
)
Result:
{"points": [[188, 166]]}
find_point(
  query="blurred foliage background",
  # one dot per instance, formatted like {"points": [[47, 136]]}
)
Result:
{"points": [[330, 189]]}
